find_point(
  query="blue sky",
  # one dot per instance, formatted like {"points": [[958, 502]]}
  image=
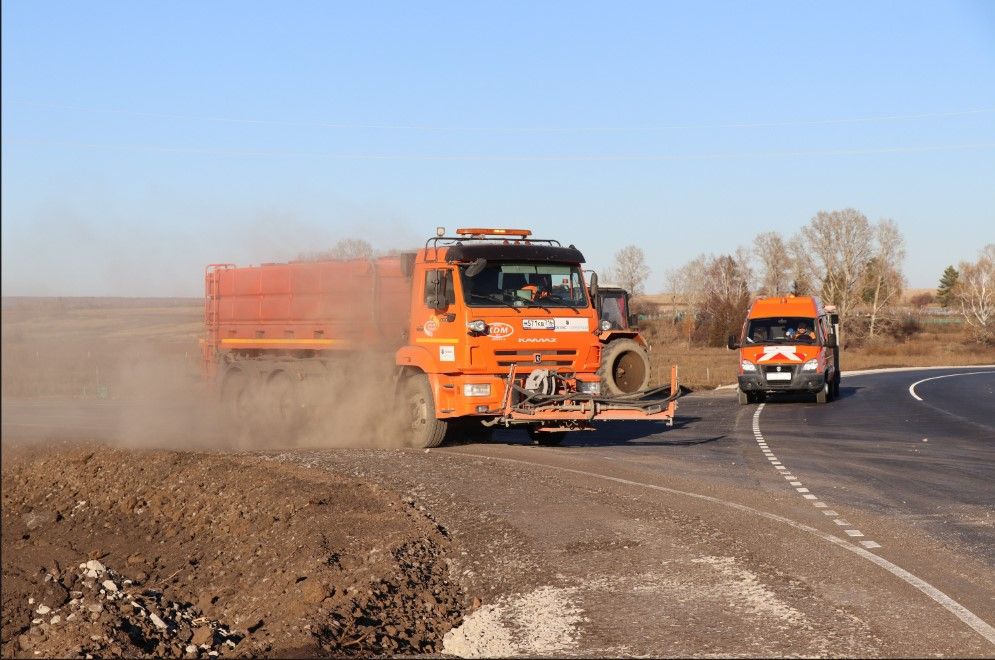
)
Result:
{"points": [[144, 140]]}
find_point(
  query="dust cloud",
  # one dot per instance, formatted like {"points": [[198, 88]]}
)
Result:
{"points": [[168, 405], [129, 372]]}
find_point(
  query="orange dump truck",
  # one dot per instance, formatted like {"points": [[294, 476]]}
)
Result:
{"points": [[489, 325], [788, 344]]}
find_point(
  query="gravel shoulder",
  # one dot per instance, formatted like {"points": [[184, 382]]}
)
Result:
{"points": [[201, 554]]}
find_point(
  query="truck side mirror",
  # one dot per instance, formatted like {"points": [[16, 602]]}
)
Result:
{"points": [[474, 269], [633, 320], [732, 343], [594, 290]]}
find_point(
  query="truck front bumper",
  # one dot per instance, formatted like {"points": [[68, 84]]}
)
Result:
{"points": [[800, 382]]}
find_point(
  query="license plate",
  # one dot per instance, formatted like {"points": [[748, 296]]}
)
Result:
{"points": [[537, 324], [779, 375]]}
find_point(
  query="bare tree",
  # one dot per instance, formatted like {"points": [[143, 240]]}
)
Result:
{"points": [[687, 284], [776, 264], [840, 243], [726, 297], [883, 280], [630, 269], [802, 268], [347, 248], [975, 293]]}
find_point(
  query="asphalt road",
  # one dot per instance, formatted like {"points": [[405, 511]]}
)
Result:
{"points": [[862, 527]]}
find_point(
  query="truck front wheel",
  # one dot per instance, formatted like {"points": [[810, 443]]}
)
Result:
{"points": [[419, 423], [625, 367]]}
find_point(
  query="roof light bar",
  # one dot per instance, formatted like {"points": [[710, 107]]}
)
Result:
{"points": [[476, 231]]}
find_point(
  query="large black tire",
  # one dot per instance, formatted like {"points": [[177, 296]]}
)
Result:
{"points": [[625, 368], [418, 420], [822, 396], [235, 396]]}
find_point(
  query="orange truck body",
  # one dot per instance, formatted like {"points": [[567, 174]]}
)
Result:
{"points": [[776, 357], [417, 309]]}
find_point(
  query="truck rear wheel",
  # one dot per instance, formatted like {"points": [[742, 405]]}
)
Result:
{"points": [[625, 367], [235, 395], [285, 412], [419, 423]]}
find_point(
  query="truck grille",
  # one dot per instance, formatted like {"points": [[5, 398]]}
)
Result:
{"points": [[525, 358], [785, 371]]}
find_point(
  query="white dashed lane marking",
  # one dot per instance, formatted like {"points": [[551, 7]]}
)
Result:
{"points": [[795, 482]]}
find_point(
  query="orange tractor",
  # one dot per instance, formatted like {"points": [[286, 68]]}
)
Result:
{"points": [[490, 327], [625, 363]]}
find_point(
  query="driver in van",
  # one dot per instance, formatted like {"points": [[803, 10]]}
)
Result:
{"points": [[804, 333]]}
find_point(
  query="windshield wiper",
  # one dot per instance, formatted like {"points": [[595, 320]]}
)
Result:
{"points": [[537, 304], [493, 297]]}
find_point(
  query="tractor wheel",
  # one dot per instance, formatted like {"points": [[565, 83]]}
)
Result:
{"points": [[546, 438], [418, 421], [625, 367]]}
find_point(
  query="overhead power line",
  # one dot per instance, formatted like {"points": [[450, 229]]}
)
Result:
{"points": [[256, 153], [504, 129]]}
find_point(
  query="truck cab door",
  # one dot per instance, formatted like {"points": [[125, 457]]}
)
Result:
{"points": [[434, 317]]}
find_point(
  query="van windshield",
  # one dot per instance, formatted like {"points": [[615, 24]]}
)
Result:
{"points": [[524, 284], [780, 330]]}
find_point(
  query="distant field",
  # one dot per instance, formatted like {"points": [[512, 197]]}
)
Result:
{"points": [[81, 346], [84, 347]]}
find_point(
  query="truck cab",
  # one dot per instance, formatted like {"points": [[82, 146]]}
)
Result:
{"points": [[788, 344]]}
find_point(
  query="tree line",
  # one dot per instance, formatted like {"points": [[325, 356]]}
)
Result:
{"points": [[840, 256]]}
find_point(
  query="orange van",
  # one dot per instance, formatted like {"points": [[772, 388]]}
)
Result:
{"points": [[788, 344]]}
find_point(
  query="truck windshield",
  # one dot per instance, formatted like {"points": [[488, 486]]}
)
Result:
{"points": [[780, 330], [524, 284]]}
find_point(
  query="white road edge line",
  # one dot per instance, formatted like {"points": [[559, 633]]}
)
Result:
{"points": [[971, 619], [912, 387]]}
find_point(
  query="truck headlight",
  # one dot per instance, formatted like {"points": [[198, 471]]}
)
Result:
{"points": [[746, 365], [606, 325], [477, 326], [589, 386], [476, 389], [811, 365]]}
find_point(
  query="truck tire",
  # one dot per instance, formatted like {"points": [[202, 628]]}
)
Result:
{"points": [[418, 420], [284, 407], [822, 396], [235, 395], [625, 367]]}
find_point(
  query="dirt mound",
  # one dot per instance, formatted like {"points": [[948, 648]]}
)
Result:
{"points": [[213, 554]]}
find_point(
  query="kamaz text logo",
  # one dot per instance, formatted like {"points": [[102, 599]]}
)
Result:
{"points": [[537, 340]]}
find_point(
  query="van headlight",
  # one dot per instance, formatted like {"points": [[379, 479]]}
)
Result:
{"points": [[746, 365], [476, 389], [811, 365], [589, 386]]}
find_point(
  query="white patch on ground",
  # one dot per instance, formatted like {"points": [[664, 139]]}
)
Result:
{"points": [[749, 592], [542, 622]]}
